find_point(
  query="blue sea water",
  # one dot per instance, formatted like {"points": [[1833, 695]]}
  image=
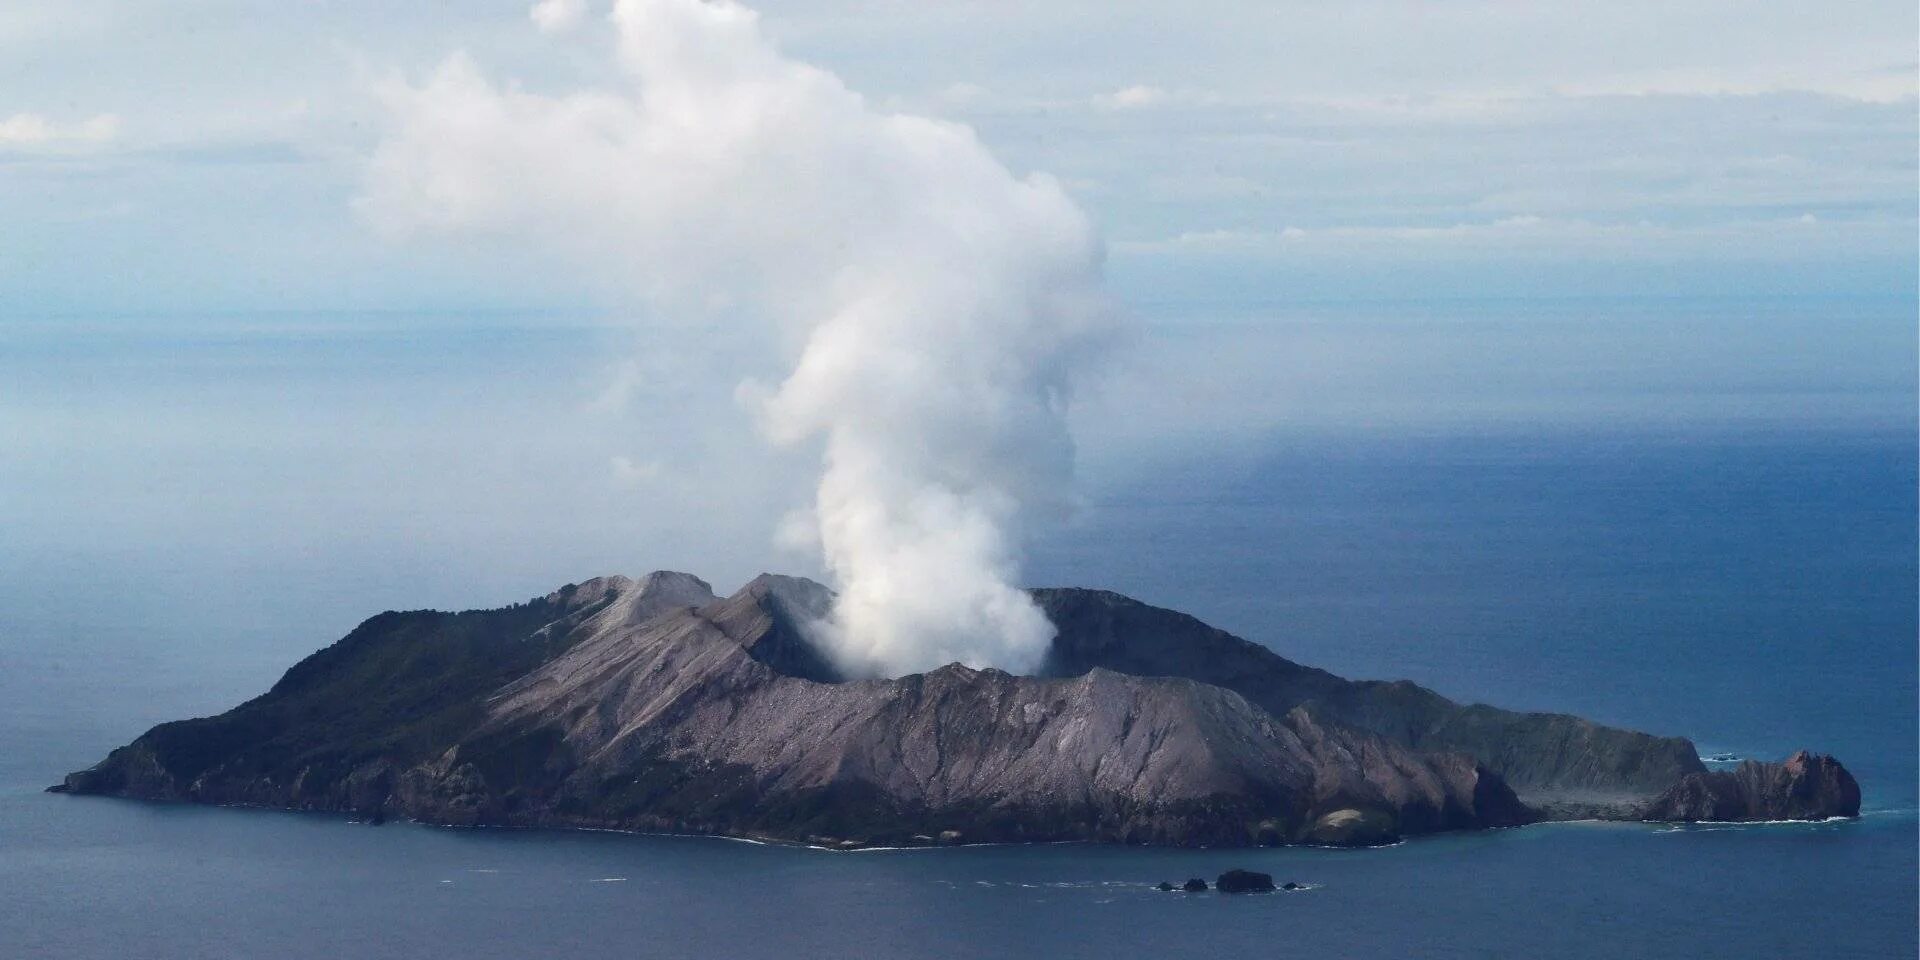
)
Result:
{"points": [[1751, 586]]}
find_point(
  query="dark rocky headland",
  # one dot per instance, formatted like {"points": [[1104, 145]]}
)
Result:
{"points": [[654, 705]]}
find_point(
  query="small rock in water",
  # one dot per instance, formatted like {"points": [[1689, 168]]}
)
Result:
{"points": [[1290, 885], [1244, 881], [1195, 885], [1165, 887]]}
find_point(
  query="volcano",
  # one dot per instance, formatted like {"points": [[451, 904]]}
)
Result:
{"points": [[652, 704]]}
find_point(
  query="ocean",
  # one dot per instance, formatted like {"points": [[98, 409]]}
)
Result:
{"points": [[1750, 584]]}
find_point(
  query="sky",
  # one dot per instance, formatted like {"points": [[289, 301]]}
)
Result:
{"points": [[204, 156]]}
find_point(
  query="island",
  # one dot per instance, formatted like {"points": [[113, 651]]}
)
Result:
{"points": [[652, 704]]}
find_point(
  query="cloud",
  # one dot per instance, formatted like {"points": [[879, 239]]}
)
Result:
{"points": [[34, 130], [1527, 238], [630, 472], [619, 389], [963, 93], [1895, 83], [1505, 227], [1136, 97], [1276, 114], [937, 307], [557, 16]]}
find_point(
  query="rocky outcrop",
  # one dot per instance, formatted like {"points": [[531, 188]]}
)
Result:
{"points": [[1352, 828], [651, 704], [1803, 787], [1244, 881]]}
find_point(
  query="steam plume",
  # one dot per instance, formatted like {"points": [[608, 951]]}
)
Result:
{"points": [[938, 303]]}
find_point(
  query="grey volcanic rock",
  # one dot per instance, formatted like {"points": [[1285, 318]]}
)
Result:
{"points": [[335, 730], [1194, 885], [1544, 757], [1351, 828], [1244, 881], [651, 704], [1803, 787], [769, 617], [675, 724]]}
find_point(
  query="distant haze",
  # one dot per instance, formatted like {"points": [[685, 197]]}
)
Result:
{"points": [[937, 305]]}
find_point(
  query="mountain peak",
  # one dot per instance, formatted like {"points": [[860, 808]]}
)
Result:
{"points": [[799, 597], [590, 591], [679, 589], [772, 617]]}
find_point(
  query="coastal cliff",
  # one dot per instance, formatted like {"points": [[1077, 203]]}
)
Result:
{"points": [[652, 704], [1804, 787]]}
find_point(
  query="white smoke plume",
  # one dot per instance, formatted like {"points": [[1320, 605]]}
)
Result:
{"points": [[937, 304]]}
